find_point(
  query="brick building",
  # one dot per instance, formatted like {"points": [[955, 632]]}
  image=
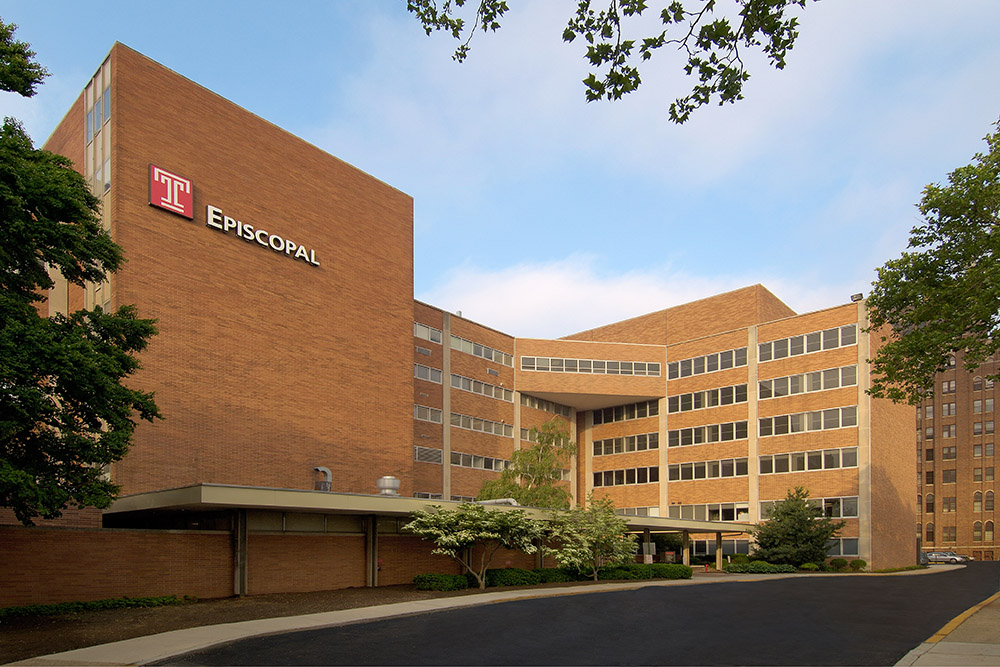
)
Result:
{"points": [[956, 470], [294, 369]]}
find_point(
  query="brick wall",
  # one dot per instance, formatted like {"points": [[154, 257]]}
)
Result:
{"points": [[304, 563], [50, 565]]}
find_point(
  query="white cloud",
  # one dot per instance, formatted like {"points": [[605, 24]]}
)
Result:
{"points": [[557, 298]]}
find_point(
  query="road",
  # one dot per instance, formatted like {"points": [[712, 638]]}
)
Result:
{"points": [[826, 620]]}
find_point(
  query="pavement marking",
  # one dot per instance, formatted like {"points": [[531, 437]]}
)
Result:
{"points": [[957, 621]]}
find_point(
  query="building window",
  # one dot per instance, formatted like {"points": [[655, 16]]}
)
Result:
{"points": [[476, 349], [929, 477], [977, 501], [813, 342], [699, 435], [427, 414], [426, 332], [977, 406], [591, 366], [977, 531], [989, 405], [708, 469], [426, 373], [843, 546], [988, 502], [977, 428], [988, 531], [708, 363], [929, 454], [547, 406], [948, 453], [629, 476], [928, 412], [929, 433], [630, 443], [948, 431], [427, 495], [977, 451], [627, 412], [478, 462], [977, 474], [471, 423], [948, 410], [948, 533], [819, 459], [948, 387], [482, 388], [711, 512], [929, 503], [929, 537], [988, 427], [989, 475], [977, 383], [423, 351], [949, 504], [988, 449], [707, 399], [831, 378], [819, 420], [949, 476]]}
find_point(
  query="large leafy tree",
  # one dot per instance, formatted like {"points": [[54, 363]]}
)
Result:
{"points": [[64, 412], [942, 296], [795, 532], [472, 534], [714, 44], [592, 537], [534, 474]]}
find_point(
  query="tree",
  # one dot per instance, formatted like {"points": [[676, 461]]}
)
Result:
{"points": [[942, 297], [534, 474], [795, 531], [472, 530], [64, 413], [712, 45], [591, 538]]}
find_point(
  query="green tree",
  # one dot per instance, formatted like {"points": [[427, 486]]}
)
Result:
{"points": [[943, 295], [64, 413], [472, 534], [591, 538], [710, 42], [534, 474], [795, 532]]}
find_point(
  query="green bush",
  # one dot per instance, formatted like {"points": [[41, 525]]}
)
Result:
{"points": [[627, 572], [637, 571], [549, 575], [858, 565], [809, 567], [838, 564], [741, 559], [93, 605], [512, 576], [758, 567], [440, 582]]}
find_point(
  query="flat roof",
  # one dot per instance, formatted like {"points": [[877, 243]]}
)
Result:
{"points": [[215, 497]]}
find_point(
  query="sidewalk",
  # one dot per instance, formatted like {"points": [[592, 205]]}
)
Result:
{"points": [[972, 638]]}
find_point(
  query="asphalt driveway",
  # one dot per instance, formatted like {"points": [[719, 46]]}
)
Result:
{"points": [[826, 620]]}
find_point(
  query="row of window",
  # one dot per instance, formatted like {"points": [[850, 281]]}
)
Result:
{"points": [[835, 508], [438, 496], [950, 504], [951, 430], [831, 378], [977, 475], [629, 443], [592, 366], [708, 469], [698, 435], [484, 388], [709, 363], [948, 476], [99, 114], [547, 406], [638, 511], [483, 425], [817, 459], [977, 383], [432, 455], [828, 339], [426, 332], [817, 420], [644, 475], [844, 546], [427, 373], [427, 414], [707, 399], [476, 349], [978, 451], [626, 412], [711, 512], [980, 532]]}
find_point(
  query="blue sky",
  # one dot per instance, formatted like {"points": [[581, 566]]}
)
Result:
{"points": [[539, 214]]}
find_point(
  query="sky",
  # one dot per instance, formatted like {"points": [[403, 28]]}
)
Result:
{"points": [[539, 214]]}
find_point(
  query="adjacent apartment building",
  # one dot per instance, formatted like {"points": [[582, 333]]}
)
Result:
{"points": [[294, 369], [956, 491]]}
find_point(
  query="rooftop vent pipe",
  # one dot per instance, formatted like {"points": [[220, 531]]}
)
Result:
{"points": [[387, 486]]}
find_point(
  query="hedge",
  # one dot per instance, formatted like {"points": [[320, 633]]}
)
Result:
{"points": [[758, 567], [93, 605], [440, 582]]}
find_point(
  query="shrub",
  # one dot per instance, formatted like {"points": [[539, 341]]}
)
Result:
{"points": [[670, 571], [838, 563], [440, 582], [512, 576], [549, 575], [858, 565], [741, 559], [758, 567], [809, 567], [628, 572], [93, 605]]}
